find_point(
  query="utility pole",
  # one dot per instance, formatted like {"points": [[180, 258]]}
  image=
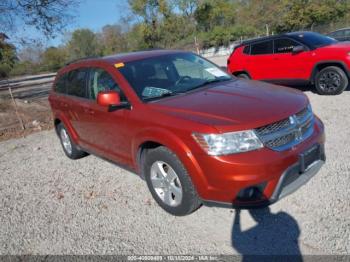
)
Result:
{"points": [[196, 45], [267, 30]]}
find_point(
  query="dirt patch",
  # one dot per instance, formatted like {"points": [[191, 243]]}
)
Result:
{"points": [[36, 116]]}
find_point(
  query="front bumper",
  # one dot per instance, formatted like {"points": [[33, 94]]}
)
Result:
{"points": [[289, 182], [277, 173]]}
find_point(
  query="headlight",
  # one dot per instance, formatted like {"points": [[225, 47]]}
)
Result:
{"points": [[228, 143]]}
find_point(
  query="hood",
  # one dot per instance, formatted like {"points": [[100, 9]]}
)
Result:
{"points": [[234, 105], [339, 45]]}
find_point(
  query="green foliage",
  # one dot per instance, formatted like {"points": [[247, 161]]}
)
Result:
{"points": [[213, 13], [83, 44], [25, 68], [7, 58], [53, 59], [305, 14], [111, 40]]}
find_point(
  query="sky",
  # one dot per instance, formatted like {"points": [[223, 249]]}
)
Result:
{"points": [[91, 14]]}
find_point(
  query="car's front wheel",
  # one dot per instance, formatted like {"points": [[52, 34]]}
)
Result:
{"points": [[331, 80], [169, 182], [69, 147]]}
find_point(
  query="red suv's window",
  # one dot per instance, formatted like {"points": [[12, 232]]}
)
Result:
{"points": [[76, 82], [284, 45], [60, 86], [262, 48], [246, 50], [101, 80]]}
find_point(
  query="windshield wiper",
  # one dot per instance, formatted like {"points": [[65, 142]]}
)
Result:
{"points": [[162, 96], [209, 82]]}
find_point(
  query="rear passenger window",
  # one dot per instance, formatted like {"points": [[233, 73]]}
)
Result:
{"points": [[284, 45], [246, 50], [261, 48], [60, 86], [101, 80], [76, 82]]}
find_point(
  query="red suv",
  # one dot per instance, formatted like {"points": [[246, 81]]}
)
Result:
{"points": [[195, 134], [294, 58]]}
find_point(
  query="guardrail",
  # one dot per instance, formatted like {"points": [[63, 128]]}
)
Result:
{"points": [[27, 81]]}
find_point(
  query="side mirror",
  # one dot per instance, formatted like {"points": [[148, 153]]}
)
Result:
{"points": [[298, 49], [111, 100]]}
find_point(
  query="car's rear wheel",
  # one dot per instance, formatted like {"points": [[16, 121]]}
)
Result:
{"points": [[169, 182], [69, 147], [243, 76], [331, 80]]}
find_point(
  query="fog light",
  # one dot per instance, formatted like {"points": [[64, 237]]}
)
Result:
{"points": [[251, 193]]}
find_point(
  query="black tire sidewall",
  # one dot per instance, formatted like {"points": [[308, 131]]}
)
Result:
{"points": [[190, 200], [76, 153], [339, 71], [243, 76]]}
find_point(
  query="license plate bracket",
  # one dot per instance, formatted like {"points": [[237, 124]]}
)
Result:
{"points": [[309, 156]]}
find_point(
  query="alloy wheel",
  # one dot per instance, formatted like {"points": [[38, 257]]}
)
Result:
{"points": [[66, 141], [166, 183], [330, 81]]}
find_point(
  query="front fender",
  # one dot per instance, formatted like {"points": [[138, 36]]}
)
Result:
{"points": [[178, 146], [69, 127]]}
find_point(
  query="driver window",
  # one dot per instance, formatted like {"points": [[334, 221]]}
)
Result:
{"points": [[101, 80], [284, 45]]}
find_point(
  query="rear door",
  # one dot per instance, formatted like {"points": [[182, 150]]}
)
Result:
{"points": [[260, 61], [76, 96]]}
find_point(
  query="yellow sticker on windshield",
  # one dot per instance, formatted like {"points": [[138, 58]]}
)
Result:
{"points": [[119, 65]]}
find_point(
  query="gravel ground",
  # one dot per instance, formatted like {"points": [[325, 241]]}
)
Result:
{"points": [[52, 205]]}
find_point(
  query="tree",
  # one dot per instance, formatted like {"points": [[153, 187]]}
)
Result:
{"points": [[83, 43], [53, 58], [48, 16], [112, 40], [210, 14], [151, 12], [305, 14], [7, 58]]}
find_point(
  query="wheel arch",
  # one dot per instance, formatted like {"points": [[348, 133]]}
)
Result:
{"points": [[60, 118], [152, 138], [236, 73], [321, 65]]}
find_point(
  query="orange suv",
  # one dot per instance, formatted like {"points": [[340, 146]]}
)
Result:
{"points": [[196, 134]]}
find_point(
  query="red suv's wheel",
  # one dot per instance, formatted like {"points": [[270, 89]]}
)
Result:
{"points": [[169, 182], [69, 147], [331, 80]]}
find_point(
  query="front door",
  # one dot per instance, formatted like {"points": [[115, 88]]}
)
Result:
{"points": [[106, 132], [287, 65]]}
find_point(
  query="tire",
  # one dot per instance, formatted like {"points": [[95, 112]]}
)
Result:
{"points": [[243, 76], [69, 147], [331, 80], [161, 161]]}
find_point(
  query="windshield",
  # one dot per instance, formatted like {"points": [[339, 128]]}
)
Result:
{"points": [[314, 40], [171, 74]]}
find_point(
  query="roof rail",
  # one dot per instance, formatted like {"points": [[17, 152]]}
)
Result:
{"points": [[149, 49], [80, 59]]}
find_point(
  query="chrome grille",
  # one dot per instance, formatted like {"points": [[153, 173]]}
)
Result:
{"points": [[288, 132]]}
